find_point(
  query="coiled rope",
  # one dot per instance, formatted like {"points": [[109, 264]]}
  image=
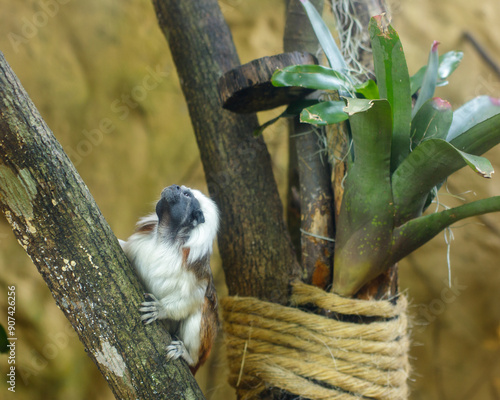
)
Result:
{"points": [[313, 356]]}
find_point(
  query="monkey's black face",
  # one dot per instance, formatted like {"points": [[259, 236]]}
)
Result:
{"points": [[178, 211]]}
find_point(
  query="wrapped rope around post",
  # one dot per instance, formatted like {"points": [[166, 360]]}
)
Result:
{"points": [[313, 356]]}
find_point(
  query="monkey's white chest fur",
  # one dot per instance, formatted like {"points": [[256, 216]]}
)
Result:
{"points": [[164, 273]]}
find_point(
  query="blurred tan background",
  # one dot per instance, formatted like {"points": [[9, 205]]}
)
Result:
{"points": [[102, 77]]}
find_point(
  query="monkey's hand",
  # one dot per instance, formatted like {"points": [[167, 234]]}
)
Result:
{"points": [[152, 309], [176, 349]]}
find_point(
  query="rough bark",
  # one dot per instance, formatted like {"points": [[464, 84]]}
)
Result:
{"points": [[57, 222], [248, 88], [316, 204], [310, 176], [256, 251], [299, 35]]}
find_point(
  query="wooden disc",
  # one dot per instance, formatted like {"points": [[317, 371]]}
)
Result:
{"points": [[248, 88]]}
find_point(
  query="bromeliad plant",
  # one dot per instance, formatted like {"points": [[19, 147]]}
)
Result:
{"points": [[400, 154]]}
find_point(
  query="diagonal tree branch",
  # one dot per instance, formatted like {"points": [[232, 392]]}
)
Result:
{"points": [[57, 222]]}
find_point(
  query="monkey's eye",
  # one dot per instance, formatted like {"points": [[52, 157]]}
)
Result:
{"points": [[187, 194]]}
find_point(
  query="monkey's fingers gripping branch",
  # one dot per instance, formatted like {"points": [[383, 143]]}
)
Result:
{"points": [[150, 309], [176, 350]]}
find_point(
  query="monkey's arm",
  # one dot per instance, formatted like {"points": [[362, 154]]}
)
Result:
{"points": [[174, 306]]}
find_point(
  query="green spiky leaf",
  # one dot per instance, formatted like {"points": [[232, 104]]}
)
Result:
{"points": [[368, 89], [325, 38], [311, 77], [393, 83], [476, 141], [430, 79], [472, 113], [448, 62], [427, 166], [365, 221], [432, 121], [355, 106], [480, 138], [324, 113], [416, 232]]}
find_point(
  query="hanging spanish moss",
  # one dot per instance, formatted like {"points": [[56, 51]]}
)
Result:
{"points": [[352, 21]]}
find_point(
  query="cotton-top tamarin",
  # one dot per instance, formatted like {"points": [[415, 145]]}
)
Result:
{"points": [[170, 249]]}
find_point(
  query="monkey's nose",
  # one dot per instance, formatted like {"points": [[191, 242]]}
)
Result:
{"points": [[173, 188]]}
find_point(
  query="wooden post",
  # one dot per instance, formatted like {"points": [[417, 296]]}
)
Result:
{"points": [[307, 149]]}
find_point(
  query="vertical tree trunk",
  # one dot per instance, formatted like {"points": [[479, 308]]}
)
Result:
{"points": [[311, 171], [256, 250], [57, 222]]}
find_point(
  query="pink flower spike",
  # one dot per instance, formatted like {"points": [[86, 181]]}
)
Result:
{"points": [[441, 104], [435, 45], [495, 101]]}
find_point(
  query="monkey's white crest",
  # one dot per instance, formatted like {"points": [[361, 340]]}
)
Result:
{"points": [[203, 235]]}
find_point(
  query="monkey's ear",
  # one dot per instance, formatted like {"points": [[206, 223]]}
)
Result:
{"points": [[198, 217]]}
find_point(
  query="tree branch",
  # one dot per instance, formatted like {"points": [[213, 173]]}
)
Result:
{"points": [[256, 250], [57, 222]]}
